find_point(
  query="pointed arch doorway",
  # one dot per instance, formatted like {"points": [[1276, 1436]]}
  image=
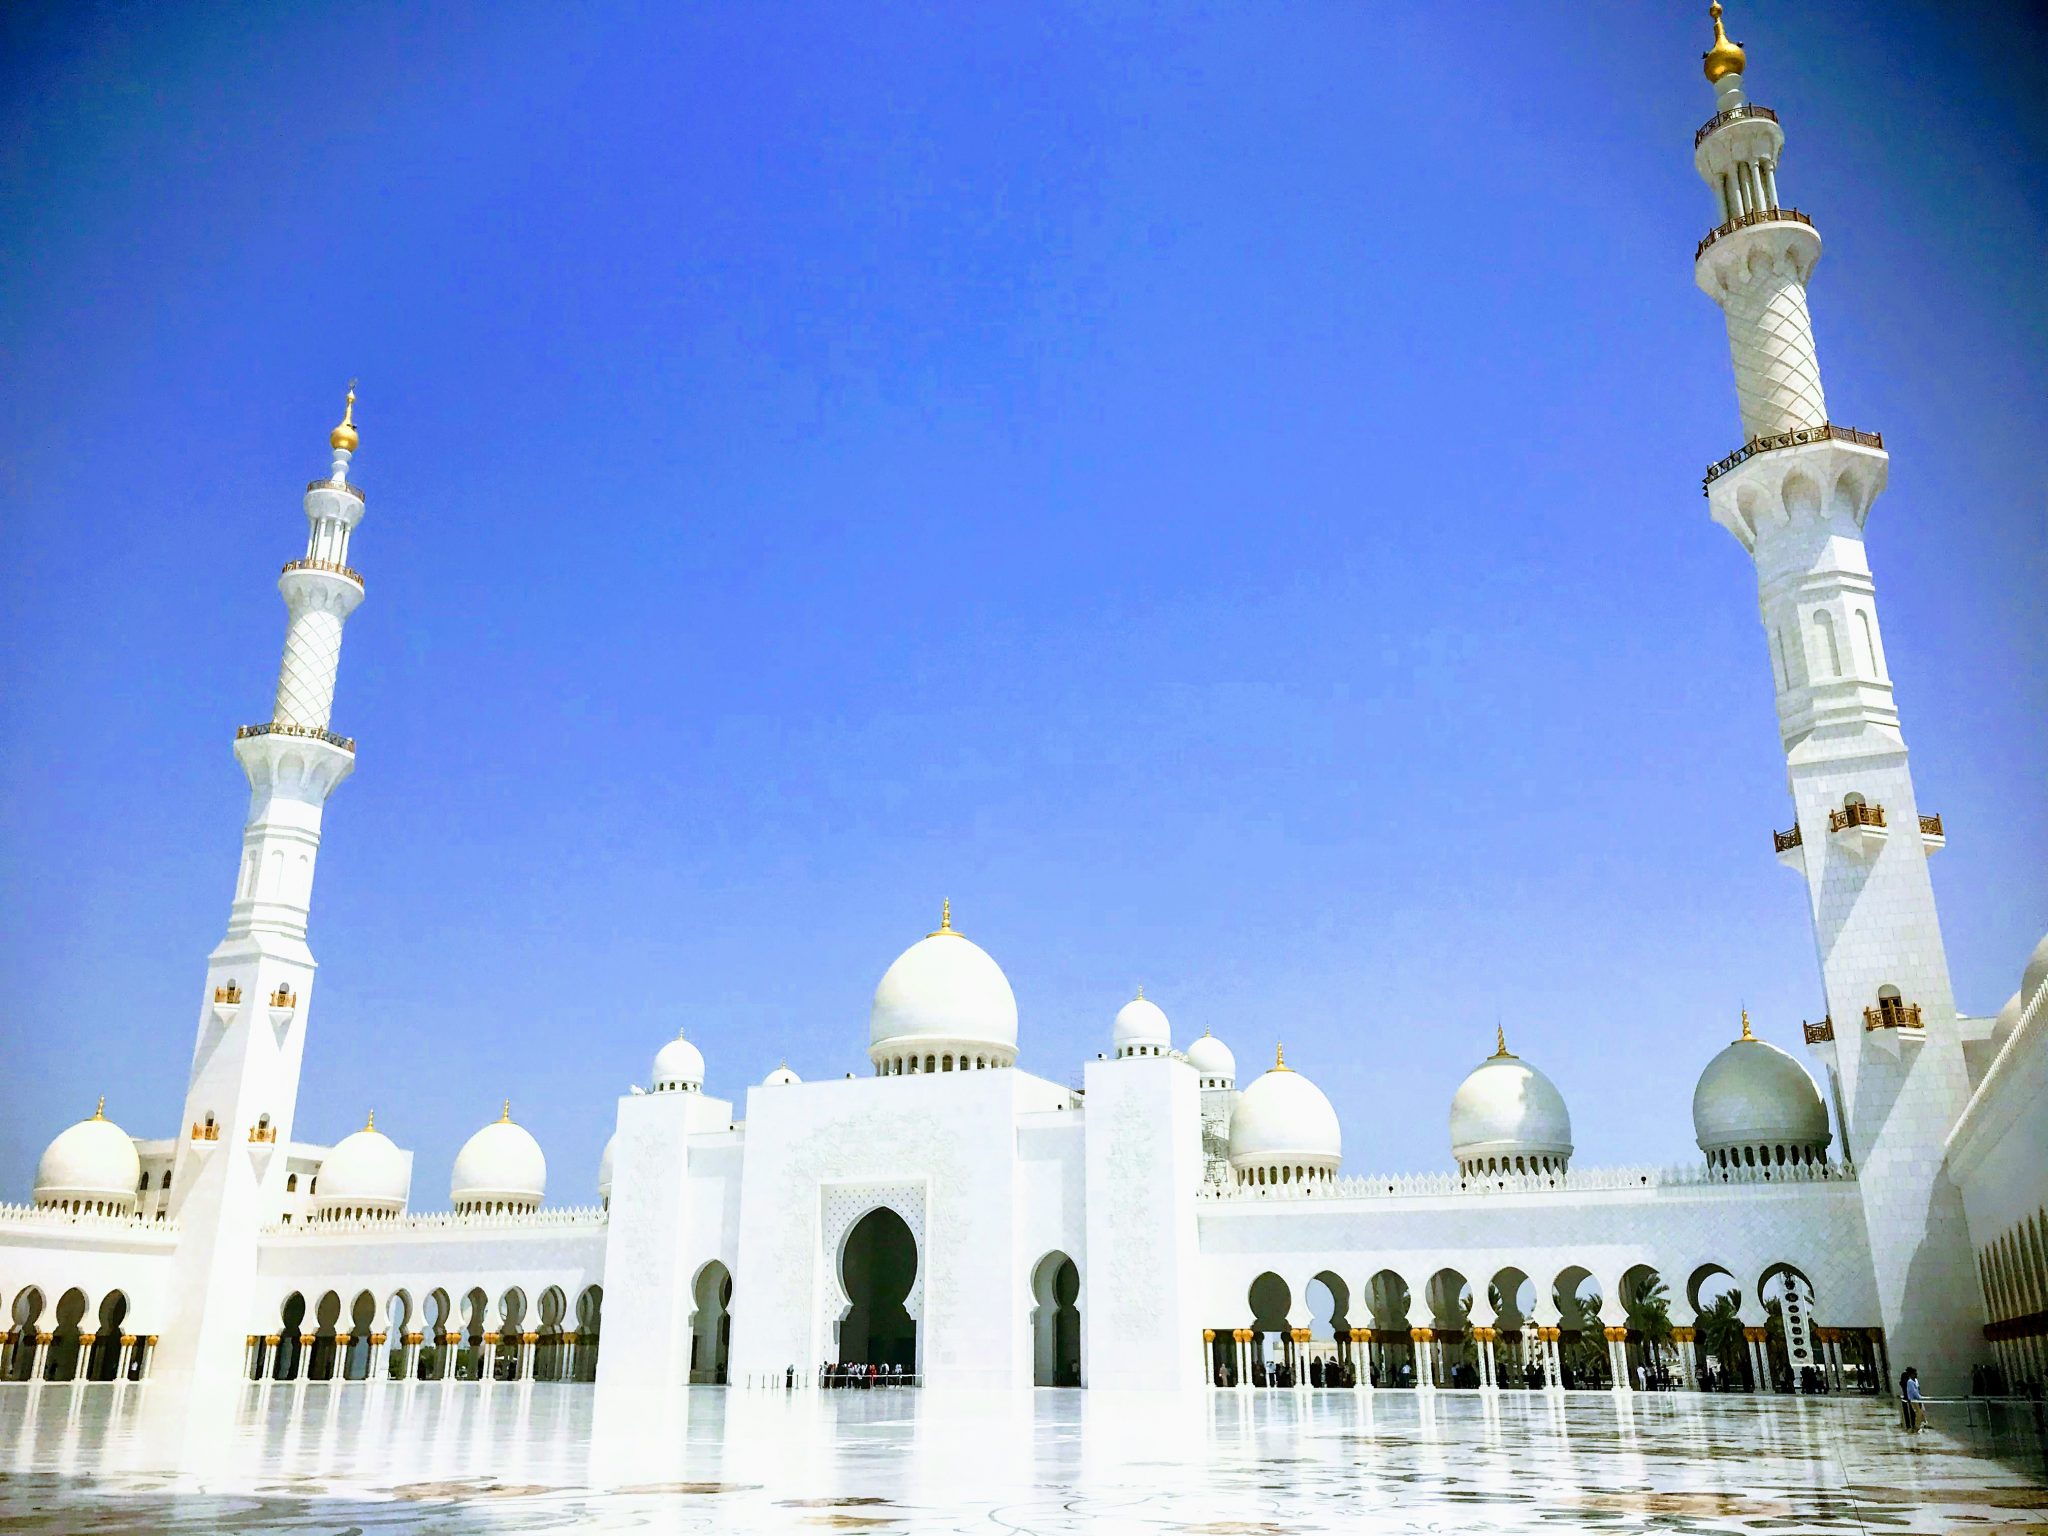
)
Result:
{"points": [[878, 1267]]}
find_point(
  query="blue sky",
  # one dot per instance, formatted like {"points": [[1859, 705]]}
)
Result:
{"points": [[1214, 490]]}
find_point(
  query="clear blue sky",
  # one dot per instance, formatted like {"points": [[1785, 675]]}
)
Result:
{"points": [[1212, 489]]}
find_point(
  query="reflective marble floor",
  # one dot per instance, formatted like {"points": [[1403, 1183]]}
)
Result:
{"points": [[525, 1457]]}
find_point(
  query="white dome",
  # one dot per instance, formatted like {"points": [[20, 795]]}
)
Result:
{"points": [[90, 1165], [1212, 1061], [604, 1169], [678, 1067], [781, 1077], [944, 991], [500, 1166], [364, 1173], [1755, 1096], [1141, 1028], [1507, 1112], [1282, 1124], [2006, 1022], [2035, 974]]}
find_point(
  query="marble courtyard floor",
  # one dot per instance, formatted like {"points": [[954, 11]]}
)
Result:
{"points": [[524, 1457]]}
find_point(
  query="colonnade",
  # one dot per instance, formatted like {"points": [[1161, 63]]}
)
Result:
{"points": [[136, 1352]]}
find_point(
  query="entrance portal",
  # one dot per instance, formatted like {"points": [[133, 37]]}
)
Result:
{"points": [[878, 1265]]}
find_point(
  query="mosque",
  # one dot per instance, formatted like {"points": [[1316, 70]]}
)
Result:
{"points": [[1174, 1220]]}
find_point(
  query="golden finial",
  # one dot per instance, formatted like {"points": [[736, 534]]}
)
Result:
{"points": [[505, 1118], [945, 919], [100, 1111], [1724, 58], [1141, 991], [1745, 1026], [1500, 1040], [1280, 1058], [343, 438], [371, 1123]]}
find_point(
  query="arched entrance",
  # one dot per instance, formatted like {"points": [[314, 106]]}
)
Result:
{"points": [[1055, 1322], [877, 1266], [711, 1325]]}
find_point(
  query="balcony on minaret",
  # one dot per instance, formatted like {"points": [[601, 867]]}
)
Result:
{"points": [[284, 1002], [1931, 836], [1891, 1012], [205, 1132], [1822, 1033], [284, 728], [1858, 827], [1790, 847], [227, 1002], [327, 567]]}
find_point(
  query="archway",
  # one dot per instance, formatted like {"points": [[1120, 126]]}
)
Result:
{"points": [[291, 1318], [1790, 1349], [362, 1326], [1328, 1300], [327, 1319], [511, 1351], [1651, 1355], [589, 1318], [469, 1359], [1720, 1347], [436, 1312], [1393, 1348], [398, 1322], [62, 1360], [1582, 1336], [1055, 1322], [550, 1358], [878, 1266], [1512, 1295], [21, 1353], [1269, 1299], [1448, 1352], [104, 1363], [711, 1324]]}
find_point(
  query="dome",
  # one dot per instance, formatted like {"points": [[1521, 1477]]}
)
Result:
{"points": [[90, 1168], [678, 1067], [1508, 1117], [1755, 1102], [1212, 1062], [1141, 1029], [942, 994], [1284, 1131], [2006, 1022], [2035, 974], [365, 1175], [1724, 58], [781, 1077], [604, 1169], [499, 1168]]}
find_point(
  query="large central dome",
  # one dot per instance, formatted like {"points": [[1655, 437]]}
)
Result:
{"points": [[944, 1006]]}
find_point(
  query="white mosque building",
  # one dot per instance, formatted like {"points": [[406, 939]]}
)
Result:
{"points": [[1173, 1221]]}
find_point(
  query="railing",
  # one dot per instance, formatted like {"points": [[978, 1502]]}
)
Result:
{"points": [[1930, 826], [207, 1132], [337, 485], [263, 1133], [312, 732], [1856, 814], [589, 1216], [231, 993], [1771, 215], [1433, 1185], [1797, 437], [1821, 1033], [1892, 1015], [332, 567], [1732, 115], [1785, 842], [284, 997]]}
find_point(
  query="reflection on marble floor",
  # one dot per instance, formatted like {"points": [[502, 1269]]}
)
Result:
{"points": [[527, 1457]]}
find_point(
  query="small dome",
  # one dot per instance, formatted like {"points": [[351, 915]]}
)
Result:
{"points": [[343, 438], [365, 1174], [1283, 1130], [2035, 974], [944, 991], [604, 1169], [1508, 1117], [499, 1168], [781, 1077], [1754, 1099], [1724, 58], [678, 1067], [1212, 1062], [1141, 1029], [90, 1167], [2006, 1022]]}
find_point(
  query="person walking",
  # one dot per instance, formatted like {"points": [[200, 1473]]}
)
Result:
{"points": [[1911, 1404]]}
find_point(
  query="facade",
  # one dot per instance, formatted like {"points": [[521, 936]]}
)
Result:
{"points": [[958, 1218]]}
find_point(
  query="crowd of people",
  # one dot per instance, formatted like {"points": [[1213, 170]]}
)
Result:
{"points": [[854, 1376]]}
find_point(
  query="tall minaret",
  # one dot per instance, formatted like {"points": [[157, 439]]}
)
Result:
{"points": [[229, 1171], [1795, 495]]}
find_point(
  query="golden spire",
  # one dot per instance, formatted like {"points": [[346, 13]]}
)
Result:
{"points": [[945, 920], [1280, 1058], [343, 437], [1724, 58], [506, 1117], [1500, 1041], [371, 1123], [1745, 1026], [1141, 991], [100, 1113]]}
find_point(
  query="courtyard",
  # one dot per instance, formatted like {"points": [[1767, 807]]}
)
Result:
{"points": [[527, 1457]]}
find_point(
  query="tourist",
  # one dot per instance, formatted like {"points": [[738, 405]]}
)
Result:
{"points": [[1912, 1404]]}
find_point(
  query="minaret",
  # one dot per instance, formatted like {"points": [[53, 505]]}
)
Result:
{"points": [[1795, 495], [228, 1175]]}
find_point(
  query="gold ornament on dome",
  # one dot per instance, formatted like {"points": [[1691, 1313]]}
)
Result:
{"points": [[343, 438], [1724, 58]]}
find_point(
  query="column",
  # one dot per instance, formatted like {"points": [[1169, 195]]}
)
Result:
{"points": [[1425, 1368], [448, 1358], [83, 1369], [342, 1340], [380, 1363], [127, 1356], [487, 1360]]}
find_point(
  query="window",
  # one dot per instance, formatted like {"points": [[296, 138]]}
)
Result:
{"points": [[291, 1183]]}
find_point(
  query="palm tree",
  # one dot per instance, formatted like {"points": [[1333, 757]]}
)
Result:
{"points": [[1651, 1312], [1721, 1333]]}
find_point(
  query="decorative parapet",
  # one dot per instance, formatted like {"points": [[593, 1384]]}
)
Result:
{"points": [[1785, 842], [1732, 115], [337, 485], [1798, 437], [1855, 814], [313, 732], [39, 1217], [331, 567], [548, 1218], [1745, 220], [1892, 1014], [1930, 826], [1408, 1186], [1821, 1033]]}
